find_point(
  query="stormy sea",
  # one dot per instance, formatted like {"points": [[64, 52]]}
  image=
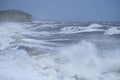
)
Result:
{"points": [[60, 51]]}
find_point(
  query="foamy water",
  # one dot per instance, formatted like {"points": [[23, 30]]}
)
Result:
{"points": [[59, 51]]}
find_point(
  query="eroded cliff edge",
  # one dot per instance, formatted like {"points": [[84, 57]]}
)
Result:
{"points": [[15, 16]]}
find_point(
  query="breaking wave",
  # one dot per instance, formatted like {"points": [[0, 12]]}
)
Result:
{"points": [[84, 61]]}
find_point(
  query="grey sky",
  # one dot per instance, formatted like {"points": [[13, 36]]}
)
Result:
{"points": [[67, 10]]}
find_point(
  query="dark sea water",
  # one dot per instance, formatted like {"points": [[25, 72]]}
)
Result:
{"points": [[60, 51]]}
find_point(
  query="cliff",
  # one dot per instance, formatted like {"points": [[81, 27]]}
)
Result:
{"points": [[14, 16]]}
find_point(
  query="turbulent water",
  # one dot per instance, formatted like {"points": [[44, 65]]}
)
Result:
{"points": [[60, 51]]}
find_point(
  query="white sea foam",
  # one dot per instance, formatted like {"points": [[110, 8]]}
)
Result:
{"points": [[95, 25], [80, 29], [8, 30], [48, 25], [112, 31], [71, 30], [17, 65]]}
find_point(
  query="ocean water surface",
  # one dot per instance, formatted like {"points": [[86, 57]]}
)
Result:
{"points": [[60, 51]]}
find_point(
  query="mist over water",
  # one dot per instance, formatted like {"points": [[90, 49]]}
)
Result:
{"points": [[59, 51]]}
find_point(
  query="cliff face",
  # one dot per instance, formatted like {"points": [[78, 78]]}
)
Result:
{"points": [[14, 16]]}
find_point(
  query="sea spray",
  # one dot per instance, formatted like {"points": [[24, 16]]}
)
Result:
{"points": [[83, 61]]}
